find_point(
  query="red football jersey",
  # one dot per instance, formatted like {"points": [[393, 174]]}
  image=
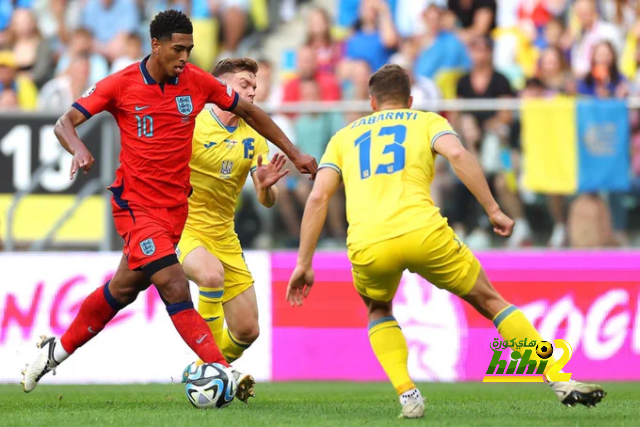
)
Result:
{"points": [[156, 128]]}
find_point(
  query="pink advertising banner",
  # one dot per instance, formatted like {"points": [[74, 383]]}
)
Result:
{"points": [[590, 299]]}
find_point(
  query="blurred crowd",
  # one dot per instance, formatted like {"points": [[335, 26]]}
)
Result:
{"points": [[53, 50], [466, 49]]}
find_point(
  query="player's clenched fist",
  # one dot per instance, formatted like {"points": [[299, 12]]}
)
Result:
{"points": [[306, 164], [82, 159], [502, 224]]}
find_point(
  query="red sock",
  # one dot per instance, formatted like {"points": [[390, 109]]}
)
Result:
{"points": [[95, 312], [195, 332]]}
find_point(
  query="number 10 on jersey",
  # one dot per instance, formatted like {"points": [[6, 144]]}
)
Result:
{"points": [[145, 126], [399, 133]]}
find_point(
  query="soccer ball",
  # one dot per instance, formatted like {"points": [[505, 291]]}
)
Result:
{"points": [[544, 350], [210, 386]]}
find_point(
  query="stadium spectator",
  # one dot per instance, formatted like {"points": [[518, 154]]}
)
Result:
{"points": [[356, 86], [58, 94], [7, 8], [555, 35], [57, 19], [319, 38], [24, 89], [33, 56], [487, 134], [604, 79], [210, 16], [8, 100], [621, 13], [554, 72], [374, 35], [314, 130], [132, 53], [82, 44], [592, 31], [312, 133], [308, 68], [441, 50], [408, 16], [110, 21], [476, 17]]}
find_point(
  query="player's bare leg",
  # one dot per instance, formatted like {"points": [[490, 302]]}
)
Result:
{"points": [[241, 314], [390, 347], [96, 311], [511, 324], [206, 270]]}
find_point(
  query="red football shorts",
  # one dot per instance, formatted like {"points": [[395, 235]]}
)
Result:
{"points": [[148, 233]]}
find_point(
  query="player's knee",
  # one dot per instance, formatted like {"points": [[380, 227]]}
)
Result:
{"points": [[379, 309], [212, 278], [124, 293], [175, 290], [248, 332]]}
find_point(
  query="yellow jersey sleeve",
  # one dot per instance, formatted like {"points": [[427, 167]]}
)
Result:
{"points": [[262, 148], [438, 127], [332, 157]]}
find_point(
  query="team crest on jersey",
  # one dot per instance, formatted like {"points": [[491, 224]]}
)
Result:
{"points": [[148, 247], [89, 91], [184, 104], [227, 165]]}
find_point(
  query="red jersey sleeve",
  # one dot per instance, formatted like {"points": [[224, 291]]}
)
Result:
{"points": [[100, 97], [218, 92]]}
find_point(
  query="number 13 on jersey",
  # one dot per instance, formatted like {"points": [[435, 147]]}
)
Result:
{"points": [[399, 134]]}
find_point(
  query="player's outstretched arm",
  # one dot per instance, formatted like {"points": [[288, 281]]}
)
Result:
{"points": [[266, 176], [315, 214], [262, 123], [65, 131], [470, 173]]}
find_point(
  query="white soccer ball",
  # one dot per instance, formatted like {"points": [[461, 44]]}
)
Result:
{"points": [[210, 386]]}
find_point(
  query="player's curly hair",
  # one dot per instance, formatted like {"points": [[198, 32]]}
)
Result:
{"points": [[170, 22]]}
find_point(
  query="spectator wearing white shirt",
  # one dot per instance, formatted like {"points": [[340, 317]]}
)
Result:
{"points": [[82, 45], [593, 30], [59, 93]]}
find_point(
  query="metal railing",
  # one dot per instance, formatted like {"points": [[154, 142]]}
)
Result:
{"points": [[109, 143]]}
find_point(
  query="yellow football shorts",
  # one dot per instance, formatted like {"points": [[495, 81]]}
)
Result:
{"points": [[237, 277], [435, 254]]}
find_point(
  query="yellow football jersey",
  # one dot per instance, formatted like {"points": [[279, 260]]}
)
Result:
{"points": [[221, 161], [387, 164]]}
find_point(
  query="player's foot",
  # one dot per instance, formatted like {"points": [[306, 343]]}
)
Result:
{"points": [[244, 385], [412, 404], [41, 365], [572, 392]]}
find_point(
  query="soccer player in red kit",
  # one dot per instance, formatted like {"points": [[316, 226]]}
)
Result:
{"points": [[155, 104]]}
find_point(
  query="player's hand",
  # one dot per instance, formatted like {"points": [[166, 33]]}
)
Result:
{"points": [[300, 285], [271, 173], [82, 159], [502, 224], [306, 164]]}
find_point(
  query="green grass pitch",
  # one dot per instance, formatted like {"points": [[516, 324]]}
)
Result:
{"points": [[313, 404]]}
